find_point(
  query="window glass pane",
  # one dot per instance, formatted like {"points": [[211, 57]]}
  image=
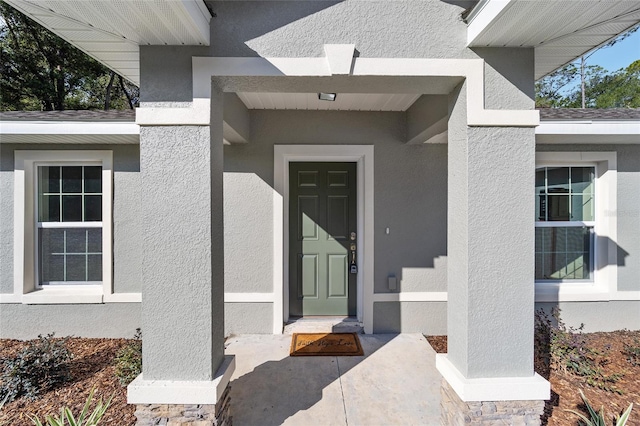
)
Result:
{"points": [[76, 267], [92, 208], [72, 208], [72, 179], [64, 254], [49, 179], [94, 267], [582, 208], [563, 253], [94, 240], [49, 208], [582, 180], [558, 207], [76, 241], [558, 180], [93, 179], [541, 198], [52, 240]]}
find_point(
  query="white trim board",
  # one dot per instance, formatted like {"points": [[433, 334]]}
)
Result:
{"points": [[204, 68], [363, 156]]}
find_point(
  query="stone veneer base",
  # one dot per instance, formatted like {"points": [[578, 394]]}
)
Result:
{"points": [[186, 414], [455, 412]]}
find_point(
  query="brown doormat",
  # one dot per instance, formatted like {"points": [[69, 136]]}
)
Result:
{"points": [[325, 344]]}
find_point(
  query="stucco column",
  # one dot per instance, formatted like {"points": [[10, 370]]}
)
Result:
{"points": [[490, 261], [183, 262]]}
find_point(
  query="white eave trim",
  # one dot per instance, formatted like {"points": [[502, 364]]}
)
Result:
{"points": [[200, 16], [488, 12], [68, 128], [589, 127]]}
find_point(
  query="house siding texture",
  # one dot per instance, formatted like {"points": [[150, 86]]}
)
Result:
{"points": [[415, 249]]}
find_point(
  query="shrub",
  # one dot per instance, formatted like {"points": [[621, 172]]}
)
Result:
{"points": [[129, 360], [633, 353], [565, 348], [39, 367], [598, 418], [84, 419]]}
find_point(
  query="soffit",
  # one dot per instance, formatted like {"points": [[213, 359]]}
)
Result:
{"points": [[111, 31], [559, 30], [343, 102]]}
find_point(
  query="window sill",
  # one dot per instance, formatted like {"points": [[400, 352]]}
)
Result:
{"points": [[63, 295]]}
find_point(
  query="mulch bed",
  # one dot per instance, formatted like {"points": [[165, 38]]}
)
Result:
{"points": [[565, 386], [92, 366]]}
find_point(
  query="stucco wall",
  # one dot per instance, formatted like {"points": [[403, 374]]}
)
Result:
{"points": [[598, 316], [108, 320], [404, 175], [102, 320], [410, 317]]}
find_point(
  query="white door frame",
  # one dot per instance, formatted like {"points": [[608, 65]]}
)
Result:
{"points": [[363, 156]]}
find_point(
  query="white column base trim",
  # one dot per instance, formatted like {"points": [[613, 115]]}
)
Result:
{"points": [[142, 391], [493, 389]]}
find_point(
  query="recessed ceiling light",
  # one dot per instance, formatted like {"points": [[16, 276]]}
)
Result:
{"points": [[327, 96]]}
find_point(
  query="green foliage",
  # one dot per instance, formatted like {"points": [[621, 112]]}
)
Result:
{"points": [[84, 419], [602, 89], [633, 353], [129, 360], [598, 418], [565, 348], [38, 367], [40, 71]]}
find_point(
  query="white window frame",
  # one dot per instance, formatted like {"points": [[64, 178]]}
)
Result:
{"points": [[26, 288], [603, 283]]}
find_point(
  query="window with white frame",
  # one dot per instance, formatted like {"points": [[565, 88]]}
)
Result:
{"points": [[576, 251], [565, 220], [63, 223]]}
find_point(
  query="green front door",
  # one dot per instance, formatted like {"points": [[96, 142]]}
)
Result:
{"points": [[322, 239]]}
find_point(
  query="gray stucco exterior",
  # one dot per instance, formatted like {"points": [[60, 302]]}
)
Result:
{"points": [[445, 200], [411, 183]]}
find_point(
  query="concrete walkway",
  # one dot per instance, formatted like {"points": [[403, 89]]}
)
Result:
{"points": [[394, 383]]}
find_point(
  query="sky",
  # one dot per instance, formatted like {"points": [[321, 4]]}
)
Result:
{"points": [[620, 55]]}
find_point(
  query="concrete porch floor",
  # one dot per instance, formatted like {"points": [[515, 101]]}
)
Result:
{"points": [[394, 383]]}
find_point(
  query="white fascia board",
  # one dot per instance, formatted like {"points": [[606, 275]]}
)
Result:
{"points": [[491, 10], [68, 128], [200, 17], [533, 388], [588, 127]]}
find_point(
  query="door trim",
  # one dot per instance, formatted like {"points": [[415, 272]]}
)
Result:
{"points": [[363, 156]]}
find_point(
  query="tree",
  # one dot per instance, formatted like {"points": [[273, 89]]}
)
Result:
{"points": [[597, 88], [40, 71]]}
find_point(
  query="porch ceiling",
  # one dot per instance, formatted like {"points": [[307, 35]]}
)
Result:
{"points": [[111, 31], [559, 30], [343, 102]]}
